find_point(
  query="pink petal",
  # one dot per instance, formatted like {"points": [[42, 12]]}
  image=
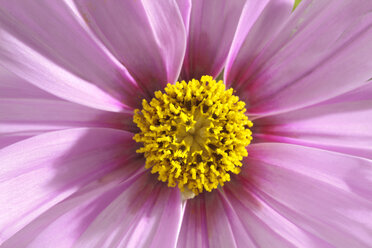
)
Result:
{"points": [[254, 220], [43, 170], [146, 214], [25, 117], [306, 195], [12, 86], [211, 31], [63, 223], [207, 224], [147, 37], [359, 94], [38, 70], [26, 110], [259, 23], [185, 9], [46, 43], [337, 126], [307, 61]]}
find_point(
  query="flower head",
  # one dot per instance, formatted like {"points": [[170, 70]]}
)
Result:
{"points": [[112, 134]]}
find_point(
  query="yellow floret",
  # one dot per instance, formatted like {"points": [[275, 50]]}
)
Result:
{"points": [[194, 135]]}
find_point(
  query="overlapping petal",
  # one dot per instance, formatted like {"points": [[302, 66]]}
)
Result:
{"points": [[185, 9], [286, 196], [359, 94], [47, 44], [342, 124], [26, 110], [304, 197], [146, 214], [62, 224], [46, 169], [25, 117], [108, 214], [259, 24], [211, 28], [304, 63], [254, 220], [12, 86], [206, 224], [147, 37]]}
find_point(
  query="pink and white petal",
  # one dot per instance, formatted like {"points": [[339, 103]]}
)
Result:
{"points": [[146, 214], [323, 196], [307, 61], [210, 34], [259, 23], [39, 172], [147, 37], [207, 224], [342, 126], [25, 117], [46, 43]]}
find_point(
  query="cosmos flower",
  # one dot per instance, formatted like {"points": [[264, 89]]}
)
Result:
{"points": [[265, 141]]}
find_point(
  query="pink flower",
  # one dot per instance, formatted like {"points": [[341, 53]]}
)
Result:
{"points": [[73, 71]]}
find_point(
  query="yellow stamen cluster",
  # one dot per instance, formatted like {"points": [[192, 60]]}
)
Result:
{"points": [[194, 134]]}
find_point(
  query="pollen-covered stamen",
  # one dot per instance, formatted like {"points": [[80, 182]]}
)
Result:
{"points": [[194, 134]]}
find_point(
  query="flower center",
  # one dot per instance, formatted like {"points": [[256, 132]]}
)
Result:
{"points": [[194, 135]]}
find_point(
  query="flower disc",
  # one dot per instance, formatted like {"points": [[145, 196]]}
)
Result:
{"points": [[194, 134]]}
